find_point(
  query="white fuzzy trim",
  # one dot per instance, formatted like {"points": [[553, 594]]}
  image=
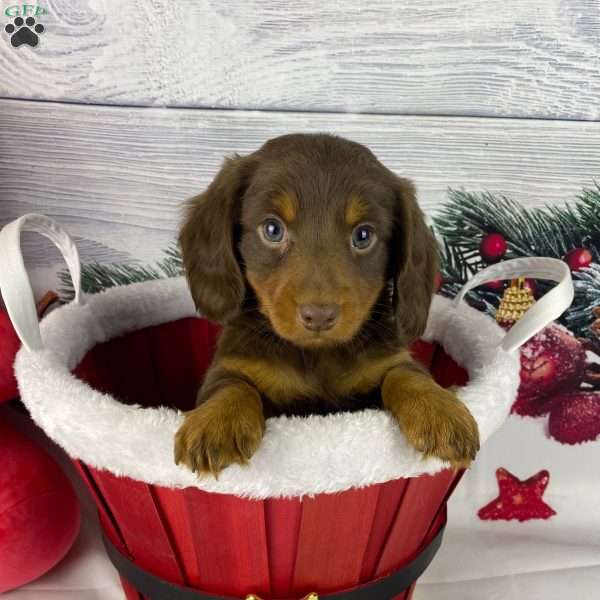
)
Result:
{"points": [[298, 456]]}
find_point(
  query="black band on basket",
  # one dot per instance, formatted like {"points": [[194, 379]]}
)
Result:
{"points": [[385, 588]]}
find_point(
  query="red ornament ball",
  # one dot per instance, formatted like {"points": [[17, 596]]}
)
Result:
{"points": [[492, 247], [39, 511], [551, 362], [9, 344], [575, 417], [579, 258]]}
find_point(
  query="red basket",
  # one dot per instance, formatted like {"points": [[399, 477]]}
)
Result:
{"points": [[232, 546], [359, 519]]}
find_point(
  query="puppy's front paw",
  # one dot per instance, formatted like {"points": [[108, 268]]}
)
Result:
{"points": [[226, 429], [438, 424]]}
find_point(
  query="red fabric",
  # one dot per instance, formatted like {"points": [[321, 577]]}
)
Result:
{"points": [[39, 511], [277, 548], [9, 344], [445, 370]]}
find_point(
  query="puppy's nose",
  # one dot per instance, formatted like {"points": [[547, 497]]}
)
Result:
{"points": [[318, 317]]}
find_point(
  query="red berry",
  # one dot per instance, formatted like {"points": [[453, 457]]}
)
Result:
{"points": [[579, 258], [492, 247], [575, 418], [9, 344]]}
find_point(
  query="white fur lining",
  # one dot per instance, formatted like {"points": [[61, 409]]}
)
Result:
{"points": [[298, 456]]}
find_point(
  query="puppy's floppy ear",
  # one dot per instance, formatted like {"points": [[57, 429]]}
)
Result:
{"points": [[208, 240], [417, 264]]}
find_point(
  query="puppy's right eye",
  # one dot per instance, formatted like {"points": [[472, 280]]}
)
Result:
{"points": [[363, 237], [272, 231]]}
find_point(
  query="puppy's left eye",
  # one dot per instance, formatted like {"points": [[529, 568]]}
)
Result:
{"points": [[363, 237], [272, 231]]}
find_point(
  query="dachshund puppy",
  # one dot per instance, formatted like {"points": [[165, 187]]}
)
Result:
{"points": [[318, 262]]}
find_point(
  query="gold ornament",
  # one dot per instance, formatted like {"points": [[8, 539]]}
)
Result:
{"points": [[517, 299]]}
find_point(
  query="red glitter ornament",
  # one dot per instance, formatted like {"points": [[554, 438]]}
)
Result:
{"points": [[492, 247], [575, 417], [578, 258], [521, 500], [551, 361]]}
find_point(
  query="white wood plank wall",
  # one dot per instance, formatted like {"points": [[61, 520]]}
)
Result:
{"points": [[486, 95], [515, 58]]}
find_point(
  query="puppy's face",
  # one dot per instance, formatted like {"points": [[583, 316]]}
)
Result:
{"points": [[316, 249], [316, 227]]}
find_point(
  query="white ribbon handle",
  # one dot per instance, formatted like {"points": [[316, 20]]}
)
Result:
{"points": [[545, 310], [14, 282]]}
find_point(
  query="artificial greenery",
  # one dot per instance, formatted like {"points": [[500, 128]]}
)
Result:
{"points": [[552, 231], [96, 277]]}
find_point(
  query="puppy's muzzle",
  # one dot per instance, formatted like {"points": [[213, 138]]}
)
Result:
{"points": [[318, 317]]}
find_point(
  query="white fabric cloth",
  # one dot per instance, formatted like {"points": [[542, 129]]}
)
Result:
{"points": [[554, 559]]}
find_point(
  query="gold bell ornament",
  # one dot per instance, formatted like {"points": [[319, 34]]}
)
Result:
{"points": [[517, 299]]}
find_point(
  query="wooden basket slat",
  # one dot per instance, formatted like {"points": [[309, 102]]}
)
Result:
{"points": [[181, 352], [231, 543], [388, 503], [334, 532], [174, 507], [107, 519], [132, 504], [282, 518], [420, 504]]}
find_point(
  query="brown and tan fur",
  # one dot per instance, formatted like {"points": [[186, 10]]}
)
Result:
{"points": [[268, 362]]}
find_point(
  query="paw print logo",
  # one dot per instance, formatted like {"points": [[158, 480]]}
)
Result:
{"points": [[24, 32]]}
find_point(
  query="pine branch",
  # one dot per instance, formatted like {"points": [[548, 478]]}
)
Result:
{"points": [[456, 272], [550, 231], [172, 264], [587, 297], [96, 277]]}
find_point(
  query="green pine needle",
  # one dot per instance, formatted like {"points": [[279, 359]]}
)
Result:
{"points": [[587, 296], [96, 277]]}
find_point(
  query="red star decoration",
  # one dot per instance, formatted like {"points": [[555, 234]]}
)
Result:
{"points": [[521, 500]]}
